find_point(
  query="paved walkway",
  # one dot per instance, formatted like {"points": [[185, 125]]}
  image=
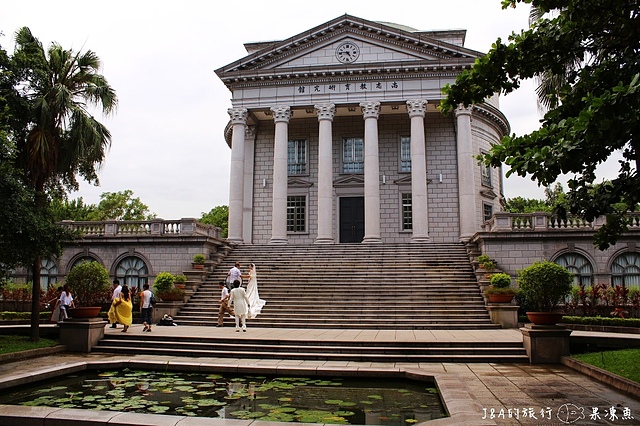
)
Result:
{"points": [[475, 393]]}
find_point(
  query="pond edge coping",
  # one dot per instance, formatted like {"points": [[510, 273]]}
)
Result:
{"points": [[458, 402]]}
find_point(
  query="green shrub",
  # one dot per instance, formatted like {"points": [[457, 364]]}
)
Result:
{"points": [[180, 279], [89, 284], [164, 282], [545, 285], [199, 258], [607, 321], [500, 280]]}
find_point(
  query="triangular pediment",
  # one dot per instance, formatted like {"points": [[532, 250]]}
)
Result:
{"points": [[350, 43], [349, 181], [296, 182]]}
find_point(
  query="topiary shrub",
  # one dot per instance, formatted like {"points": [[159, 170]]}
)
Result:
{"points": [[89, 284], [500, 280], [544, 285], [164, 282]]}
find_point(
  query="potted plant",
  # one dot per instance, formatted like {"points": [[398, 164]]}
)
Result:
{"points": [[180, 281], [90, 287], [198, 261], [486, 263], [544, 285], [164, 287], [500, 290]]}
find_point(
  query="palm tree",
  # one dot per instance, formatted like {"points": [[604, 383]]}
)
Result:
{"points": [[549, 83], [63, 139]]}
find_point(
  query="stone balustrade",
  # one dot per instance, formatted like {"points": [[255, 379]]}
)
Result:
{"points": [[155, 227], [541, 221]]}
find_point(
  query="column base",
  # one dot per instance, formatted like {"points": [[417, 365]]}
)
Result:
{"points": [[371, 240], [233, 240], [420, 239], [278, 240], [324, 240]]}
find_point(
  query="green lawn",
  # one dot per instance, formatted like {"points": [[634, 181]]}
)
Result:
{"points": [[622, 362], [13, 343]]}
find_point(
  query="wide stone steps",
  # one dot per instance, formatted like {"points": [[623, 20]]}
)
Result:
{"points": [[353, 286], [369, 351]]}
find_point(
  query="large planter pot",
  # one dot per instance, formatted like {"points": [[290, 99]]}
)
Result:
{"points": [[198, 265], [501, 298], [544, 318], [84, 312]]}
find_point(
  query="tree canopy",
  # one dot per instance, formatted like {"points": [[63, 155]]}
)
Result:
{"points": [[53, 137], [217, 216], [595, 46]]}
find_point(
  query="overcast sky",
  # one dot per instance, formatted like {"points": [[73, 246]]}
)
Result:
{"points": [[160, 57]]}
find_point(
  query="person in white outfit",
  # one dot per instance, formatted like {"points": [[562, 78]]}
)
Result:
{"points": [[252, 293], [238, 298]]}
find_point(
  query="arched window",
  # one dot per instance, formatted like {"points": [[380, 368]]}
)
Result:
{"points": [[83, 259], [133, 272], [625, 270], [579, 266], [48, 273]]}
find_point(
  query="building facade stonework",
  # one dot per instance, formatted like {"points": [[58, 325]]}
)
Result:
{"points": [[347, 143]]}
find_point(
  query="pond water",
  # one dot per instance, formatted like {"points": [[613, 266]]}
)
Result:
{"points": [[285, 399]]}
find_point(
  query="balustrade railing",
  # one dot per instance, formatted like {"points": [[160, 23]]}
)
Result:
{"points": [[116, 228], [541, 221]]}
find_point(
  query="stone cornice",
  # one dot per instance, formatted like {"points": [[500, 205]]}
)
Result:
{"points": [[493, 115], [380, 71]]}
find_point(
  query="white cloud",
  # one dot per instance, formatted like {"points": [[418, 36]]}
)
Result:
{"points": [[160, 57]]}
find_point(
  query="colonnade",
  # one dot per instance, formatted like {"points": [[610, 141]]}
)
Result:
{"points": [[325, 113]]}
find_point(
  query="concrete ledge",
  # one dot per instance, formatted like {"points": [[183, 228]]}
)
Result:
{"points": [[603, 376]]}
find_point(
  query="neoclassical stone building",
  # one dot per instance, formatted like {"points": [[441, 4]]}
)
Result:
{"points": [[336, 137]]}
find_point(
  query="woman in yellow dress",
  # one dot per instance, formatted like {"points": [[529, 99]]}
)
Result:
{"points": [[122, 309]]}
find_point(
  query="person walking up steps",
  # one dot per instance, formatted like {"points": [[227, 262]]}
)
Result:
{"points": [[238, 298], [252, 293], [234, 274], [224, 304]]}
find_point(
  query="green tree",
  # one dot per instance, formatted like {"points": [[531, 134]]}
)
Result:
{"points": [[593, 113], [120, 206], [75, 209], [61, 139], [25, 231], [217, 216]]}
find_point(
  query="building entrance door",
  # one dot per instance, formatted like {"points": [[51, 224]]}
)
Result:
{"points": [[351, 219]]}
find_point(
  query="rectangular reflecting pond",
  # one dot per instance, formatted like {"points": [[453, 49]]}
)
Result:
{"points": [[378, 401]]}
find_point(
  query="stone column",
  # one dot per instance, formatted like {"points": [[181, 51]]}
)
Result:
{"points": [[419, 202], [281, 116], [325, 173], [236, 186], [371, 111], [466, 172]]}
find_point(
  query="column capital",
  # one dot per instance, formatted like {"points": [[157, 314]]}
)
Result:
{"points": [[370, 109], [281, 114], [238, 115], [416, 107], [463, 110], [325, 111]]}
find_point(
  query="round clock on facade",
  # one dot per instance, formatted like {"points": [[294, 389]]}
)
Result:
{"points": [[347, 52]]}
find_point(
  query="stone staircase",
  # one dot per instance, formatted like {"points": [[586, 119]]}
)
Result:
{"points": [[366, 287], [404, 286], [312, 349]]}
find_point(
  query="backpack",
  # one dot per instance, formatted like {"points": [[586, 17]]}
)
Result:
{"points": [[153, 300]]}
